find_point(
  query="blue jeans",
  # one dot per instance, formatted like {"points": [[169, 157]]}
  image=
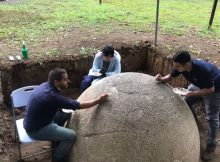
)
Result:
{"points": [[64, 136], [96, 80], [212, 107]]}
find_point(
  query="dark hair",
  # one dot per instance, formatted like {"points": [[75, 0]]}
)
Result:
{"points": [[56, 74], [108, 50], [181, 57]]}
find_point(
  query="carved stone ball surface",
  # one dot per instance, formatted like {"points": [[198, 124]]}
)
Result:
{"points": [[142, 121]]}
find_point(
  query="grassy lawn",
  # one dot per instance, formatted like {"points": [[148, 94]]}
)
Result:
{"points": [[30, 19]]}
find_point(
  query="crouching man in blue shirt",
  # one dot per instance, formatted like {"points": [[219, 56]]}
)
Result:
{"points": [[205, 83], [41, 110]]}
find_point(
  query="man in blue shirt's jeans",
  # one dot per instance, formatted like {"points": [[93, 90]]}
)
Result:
{"points": [[42, 108], [205, 83]]}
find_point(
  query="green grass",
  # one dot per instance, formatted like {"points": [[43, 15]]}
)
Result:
{"points": [[30, 19]]}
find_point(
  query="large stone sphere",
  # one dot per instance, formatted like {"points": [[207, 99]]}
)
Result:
{"points": [[143, 121]]}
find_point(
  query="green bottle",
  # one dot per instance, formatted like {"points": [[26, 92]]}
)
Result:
{"points": [[24, 51]]}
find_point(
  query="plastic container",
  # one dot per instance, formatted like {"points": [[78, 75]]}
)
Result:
{"points": [[24, 51]]}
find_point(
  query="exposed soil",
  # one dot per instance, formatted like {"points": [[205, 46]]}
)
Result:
{"points": [[76, 39], [70, 43]]}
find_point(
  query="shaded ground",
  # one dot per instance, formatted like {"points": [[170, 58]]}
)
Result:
{"points": [[70, 43]]}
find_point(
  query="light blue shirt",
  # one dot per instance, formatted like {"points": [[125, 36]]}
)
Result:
{"points": [[114, 66]]}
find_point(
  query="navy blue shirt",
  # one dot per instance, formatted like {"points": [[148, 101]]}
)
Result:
{"points": [[202, 75], [43, 105]]}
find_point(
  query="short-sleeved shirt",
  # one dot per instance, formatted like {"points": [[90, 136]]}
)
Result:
{"points": [[202, 75], [43, 105]]}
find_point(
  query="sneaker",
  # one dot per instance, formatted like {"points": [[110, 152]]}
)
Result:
{"points": [[207, 156], [208, 153]]}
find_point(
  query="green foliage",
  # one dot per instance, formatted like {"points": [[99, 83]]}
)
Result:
{"points": [[30, 19]]}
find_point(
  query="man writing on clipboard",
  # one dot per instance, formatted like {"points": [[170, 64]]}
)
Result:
{"points": [[106, 63]]}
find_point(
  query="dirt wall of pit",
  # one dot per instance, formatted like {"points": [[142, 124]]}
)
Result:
{"points": [[137, 58]]}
